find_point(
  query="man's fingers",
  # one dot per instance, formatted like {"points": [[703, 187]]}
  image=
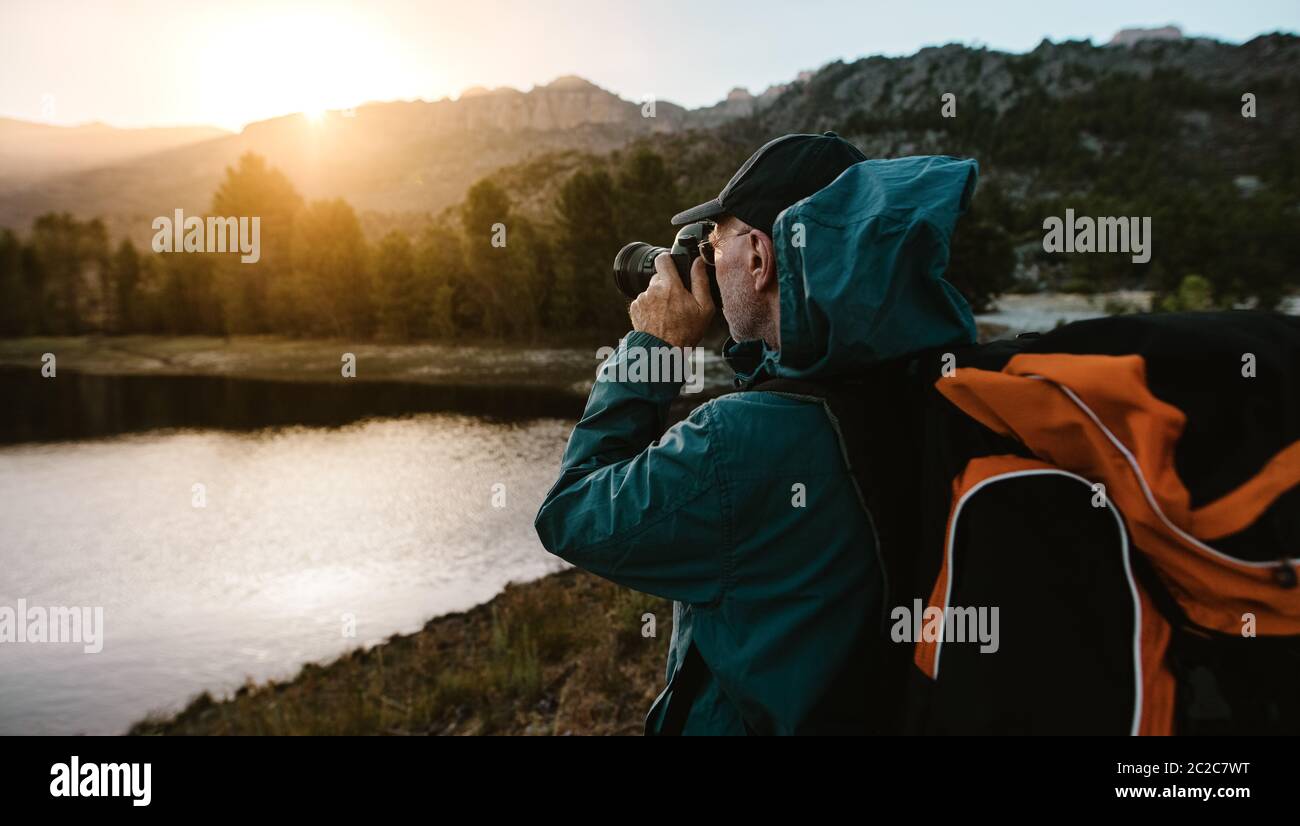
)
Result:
{"points": [[700, 284], [667, 269]]}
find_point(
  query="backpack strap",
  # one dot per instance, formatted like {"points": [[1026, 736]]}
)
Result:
{"points": [[868, 414], [895, 433]]}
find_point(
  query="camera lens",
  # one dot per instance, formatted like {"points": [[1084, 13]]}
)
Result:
{"points": [[634, 266]]}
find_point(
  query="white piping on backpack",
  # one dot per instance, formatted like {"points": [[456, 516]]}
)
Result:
{"points": [[1146, 491], [1128, 574]]}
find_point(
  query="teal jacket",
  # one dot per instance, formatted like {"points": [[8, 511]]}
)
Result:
{"points": [[744, 514]]}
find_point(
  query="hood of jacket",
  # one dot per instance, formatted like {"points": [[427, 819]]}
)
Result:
{"points": [[860, 267]]}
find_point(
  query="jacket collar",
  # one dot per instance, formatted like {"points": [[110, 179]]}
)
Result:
{"points": [[749, 360]]}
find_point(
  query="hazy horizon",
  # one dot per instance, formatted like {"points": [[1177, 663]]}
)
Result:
{"points": [[207, 71]]}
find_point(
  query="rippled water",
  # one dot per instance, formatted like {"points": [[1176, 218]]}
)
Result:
{"points": [[391, 521]]}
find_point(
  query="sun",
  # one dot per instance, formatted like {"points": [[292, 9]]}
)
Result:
{"points": [[301, 61]]}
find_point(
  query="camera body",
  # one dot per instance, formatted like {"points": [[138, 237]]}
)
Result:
{"points": [[634, 265]]}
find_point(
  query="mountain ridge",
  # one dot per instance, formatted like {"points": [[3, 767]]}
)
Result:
{"points": [[412, 157]]}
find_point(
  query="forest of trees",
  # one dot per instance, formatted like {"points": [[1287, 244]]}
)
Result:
{"points": [[318, 276], [1122, 149]]}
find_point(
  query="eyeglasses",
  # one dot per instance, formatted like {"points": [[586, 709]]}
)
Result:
{"points": [[710, 246]]}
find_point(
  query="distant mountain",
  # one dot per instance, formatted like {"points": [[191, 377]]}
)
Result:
{"points": [[1154, 128], [31, 151], [398, 157], [879, 99], [1056, 118], [1127, 37], [1059, 114]]}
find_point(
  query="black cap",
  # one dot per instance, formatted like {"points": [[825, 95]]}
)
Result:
{"points": [[783, 171]]}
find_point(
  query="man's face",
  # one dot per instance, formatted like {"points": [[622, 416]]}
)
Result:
{"points": [[743, 307]]}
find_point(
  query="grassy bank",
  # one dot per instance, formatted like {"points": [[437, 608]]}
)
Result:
{"points": [[562, 655]]}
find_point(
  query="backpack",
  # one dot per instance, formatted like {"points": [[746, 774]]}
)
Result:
{"points": [[1089, 531]]}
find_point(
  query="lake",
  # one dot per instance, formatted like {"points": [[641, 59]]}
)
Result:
{"points": [[387, 521]]}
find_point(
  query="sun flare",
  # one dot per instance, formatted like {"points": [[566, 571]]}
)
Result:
{"points": [[308, 63]]}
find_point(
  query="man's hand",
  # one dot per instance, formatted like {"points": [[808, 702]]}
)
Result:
{"points": [[668, 311]]}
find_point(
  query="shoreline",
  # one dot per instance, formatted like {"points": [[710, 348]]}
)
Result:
{"points": [[279, 358], [561, 655]]}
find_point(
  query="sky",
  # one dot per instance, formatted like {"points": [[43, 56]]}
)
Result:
{"points": [[137, 63]]}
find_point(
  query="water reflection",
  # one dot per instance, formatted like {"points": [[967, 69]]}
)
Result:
{"points": [[389, 521], [82, 406]]}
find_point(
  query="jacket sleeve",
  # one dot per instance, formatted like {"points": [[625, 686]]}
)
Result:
{"points": [[643, 513]]}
